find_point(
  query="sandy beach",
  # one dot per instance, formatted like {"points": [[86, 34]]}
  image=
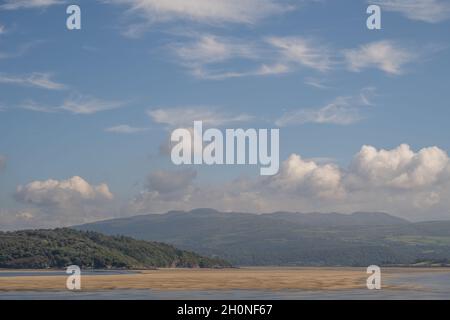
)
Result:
{"points": [[214, 279]]}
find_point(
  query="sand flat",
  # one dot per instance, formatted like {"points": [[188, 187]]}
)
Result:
{"points": [[213, 279]]}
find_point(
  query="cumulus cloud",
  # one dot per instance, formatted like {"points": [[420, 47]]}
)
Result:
{"points": [[185, 117], [204, 11], [400, 167], [16, 219], [28, 4], [35, 79], [54, 192], [342, 110], [302, 176], [411, 184], [384, 55], [167, 181], [65, 202], [431, 11], [169, 185]]}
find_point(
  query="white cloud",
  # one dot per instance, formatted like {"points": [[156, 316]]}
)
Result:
{"points": [[84, 105], [2, 29], [54, 192], [431, 11], [28, 4], [414, 185], [56, 203], [15, 219], [89, 105], [263, 70], [170, 185], [125, 129], [217, 58], [204, 11], [210, 49], [167, 181], [208, 56], [35, 79], [316, 83], [307, 176], [341, 111], [185, 117], [384, 55], [304, 52], [33, 106], [401, 167]]}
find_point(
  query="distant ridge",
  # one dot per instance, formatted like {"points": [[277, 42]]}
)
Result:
{"points": [[340, 219], [284, 238]]}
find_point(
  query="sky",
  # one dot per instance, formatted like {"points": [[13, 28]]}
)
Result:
{"points": [[86, 115]]}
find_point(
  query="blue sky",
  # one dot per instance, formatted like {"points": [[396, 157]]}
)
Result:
{"points": [[311, 68]]}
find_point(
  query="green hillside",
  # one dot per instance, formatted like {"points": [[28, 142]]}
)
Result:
{"points": [[62, 247], [282, 238]]}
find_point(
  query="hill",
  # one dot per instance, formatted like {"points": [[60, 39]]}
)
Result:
{"points": [[62, 247], [359, 239]]}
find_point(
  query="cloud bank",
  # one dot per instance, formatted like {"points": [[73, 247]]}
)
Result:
{"points": [[415, 185], [56, 203]]}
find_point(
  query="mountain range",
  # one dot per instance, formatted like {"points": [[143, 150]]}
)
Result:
{"points": [[292, 239]]}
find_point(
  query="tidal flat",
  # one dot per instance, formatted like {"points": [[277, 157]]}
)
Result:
{"points": [[264, 279]]}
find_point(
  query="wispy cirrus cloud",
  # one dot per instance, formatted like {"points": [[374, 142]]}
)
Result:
{"points": [[35, 79], [214, 57], [316, 83], [385, 55], [20, 50], [125, 129], [431, 11], [82, 105], [209, 48], [208, 56], [89, 105], [181, 117], [343, 110], [204, 11], [303, 52], [28, 4]]}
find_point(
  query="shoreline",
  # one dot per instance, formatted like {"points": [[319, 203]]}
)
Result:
{"points": [[248, 278]]}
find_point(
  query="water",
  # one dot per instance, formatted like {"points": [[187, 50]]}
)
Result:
{"points": [[430, 286]]}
